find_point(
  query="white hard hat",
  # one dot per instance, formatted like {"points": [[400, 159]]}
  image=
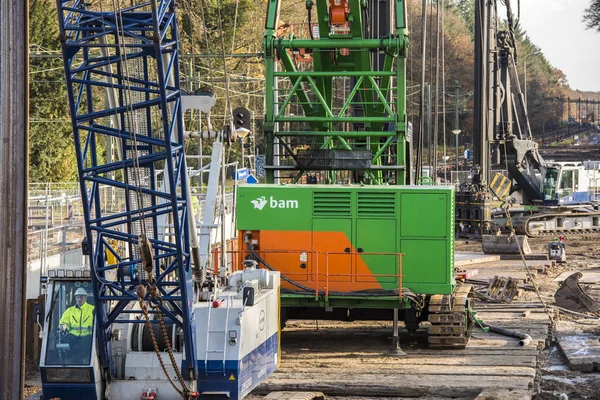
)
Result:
{"points": [[81, 292]]}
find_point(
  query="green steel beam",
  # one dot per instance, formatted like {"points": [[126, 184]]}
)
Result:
{"points": [[309, 300], [334, 73], [335, 119], [383, 44], [346, 134]]}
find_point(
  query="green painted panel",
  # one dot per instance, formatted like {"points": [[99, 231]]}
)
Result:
{"points": [[272, 207], [424, 215], [333, 225], [415, 220], [425, 266], [378, 236]]}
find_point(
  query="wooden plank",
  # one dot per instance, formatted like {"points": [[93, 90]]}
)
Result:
{"points": [[294, 396], [379, 384], [365, 369], [463, 259], [495, 394], [342, 360], [334, 361], [486, 351], [582, 352]]}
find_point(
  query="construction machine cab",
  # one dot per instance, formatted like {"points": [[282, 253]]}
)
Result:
{"points": [[69, 357], [549, 185], [70, 324]]}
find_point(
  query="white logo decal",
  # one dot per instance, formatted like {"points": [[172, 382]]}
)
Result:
{"points": [[259, 203], [262, 201]]}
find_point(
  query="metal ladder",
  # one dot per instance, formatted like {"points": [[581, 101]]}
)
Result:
{"points": [[223, 331]]}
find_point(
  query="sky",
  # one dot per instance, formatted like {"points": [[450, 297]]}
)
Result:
{"points": [[556, 27]]}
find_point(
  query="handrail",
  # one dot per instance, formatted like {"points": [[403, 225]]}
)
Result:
{"points": [[316, 274]]}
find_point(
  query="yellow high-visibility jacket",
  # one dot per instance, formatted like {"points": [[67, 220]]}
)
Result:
{"points": [[79, 320]]}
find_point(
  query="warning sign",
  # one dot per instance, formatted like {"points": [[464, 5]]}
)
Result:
{"points": [[232, 378]]}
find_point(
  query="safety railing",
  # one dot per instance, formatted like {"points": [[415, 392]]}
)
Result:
{"points": [[320, 273]]}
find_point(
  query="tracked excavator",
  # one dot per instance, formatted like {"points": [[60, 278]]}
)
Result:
{"points": [[556, 198]]}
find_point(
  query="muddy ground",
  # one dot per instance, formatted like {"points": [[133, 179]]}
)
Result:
{"points": [[557, 381]]}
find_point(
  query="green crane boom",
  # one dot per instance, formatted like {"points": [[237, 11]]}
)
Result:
{"points": [[336, 112]]}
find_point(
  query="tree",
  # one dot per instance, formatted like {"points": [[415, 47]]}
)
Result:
{"points": [[51, 150], [466, 9], [592, 15]]}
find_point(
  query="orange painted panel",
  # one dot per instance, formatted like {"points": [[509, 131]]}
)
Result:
{"points": [[282, 250]]}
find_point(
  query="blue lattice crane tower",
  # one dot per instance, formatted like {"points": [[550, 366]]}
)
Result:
{"points": [[131, 56]]}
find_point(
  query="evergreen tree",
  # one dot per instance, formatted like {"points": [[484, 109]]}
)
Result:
{"points": [[592, 15]]}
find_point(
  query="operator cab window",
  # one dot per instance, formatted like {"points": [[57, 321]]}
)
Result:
{"points": [[550, 184], [566, 183], [71, 323]]}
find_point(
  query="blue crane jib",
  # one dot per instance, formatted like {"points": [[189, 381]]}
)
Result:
{"points": [[122, 75]]}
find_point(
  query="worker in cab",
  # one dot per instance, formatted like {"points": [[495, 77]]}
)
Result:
{"points": [[78, 322]]}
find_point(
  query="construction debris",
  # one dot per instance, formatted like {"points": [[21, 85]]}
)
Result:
{"points": [[571, 296], [503, 289], [582, 352]]}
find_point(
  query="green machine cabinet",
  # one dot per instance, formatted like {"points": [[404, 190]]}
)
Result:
{"points": [[371, 223]]}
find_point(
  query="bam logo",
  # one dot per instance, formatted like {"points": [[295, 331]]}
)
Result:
{"points": [[262, 201], [259, 203]]}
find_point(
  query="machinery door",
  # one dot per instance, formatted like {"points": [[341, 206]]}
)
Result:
{"points": [[331, 235], [376, 236], [287, 252]]}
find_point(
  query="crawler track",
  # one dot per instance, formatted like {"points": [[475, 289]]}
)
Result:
{"points": [[548, 224], [451, 323]]}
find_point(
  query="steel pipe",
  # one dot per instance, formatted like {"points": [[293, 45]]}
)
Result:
{"points": [[525, 339]]}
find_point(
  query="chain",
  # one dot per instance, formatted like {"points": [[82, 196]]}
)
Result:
{"points": [[141, 293]]}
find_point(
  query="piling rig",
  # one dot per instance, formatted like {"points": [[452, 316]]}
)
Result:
{"points": [[336, 217], [555, 197]]}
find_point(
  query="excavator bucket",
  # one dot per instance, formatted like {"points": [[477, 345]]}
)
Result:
{"points": [[505, 244], [572, 297]]}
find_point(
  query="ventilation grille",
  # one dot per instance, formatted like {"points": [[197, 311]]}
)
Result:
{"points": [[376, 204], [327, 203]]}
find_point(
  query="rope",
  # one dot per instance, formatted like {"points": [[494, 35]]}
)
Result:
{"points": [[235, 18], [506, 207], [444, 91], [205, 34], [437, 97], [128, 99], [225, 72]]}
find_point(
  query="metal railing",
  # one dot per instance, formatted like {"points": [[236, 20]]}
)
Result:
{"points": [[320, 273]]}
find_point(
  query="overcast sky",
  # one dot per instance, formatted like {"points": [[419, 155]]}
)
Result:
{"points": [[556, 27]]}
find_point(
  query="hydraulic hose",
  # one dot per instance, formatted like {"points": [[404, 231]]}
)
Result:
{"points": [[525, 339], [266, 264]]}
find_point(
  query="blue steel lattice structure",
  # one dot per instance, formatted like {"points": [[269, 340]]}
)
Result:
{"points": [[122, 76]]}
